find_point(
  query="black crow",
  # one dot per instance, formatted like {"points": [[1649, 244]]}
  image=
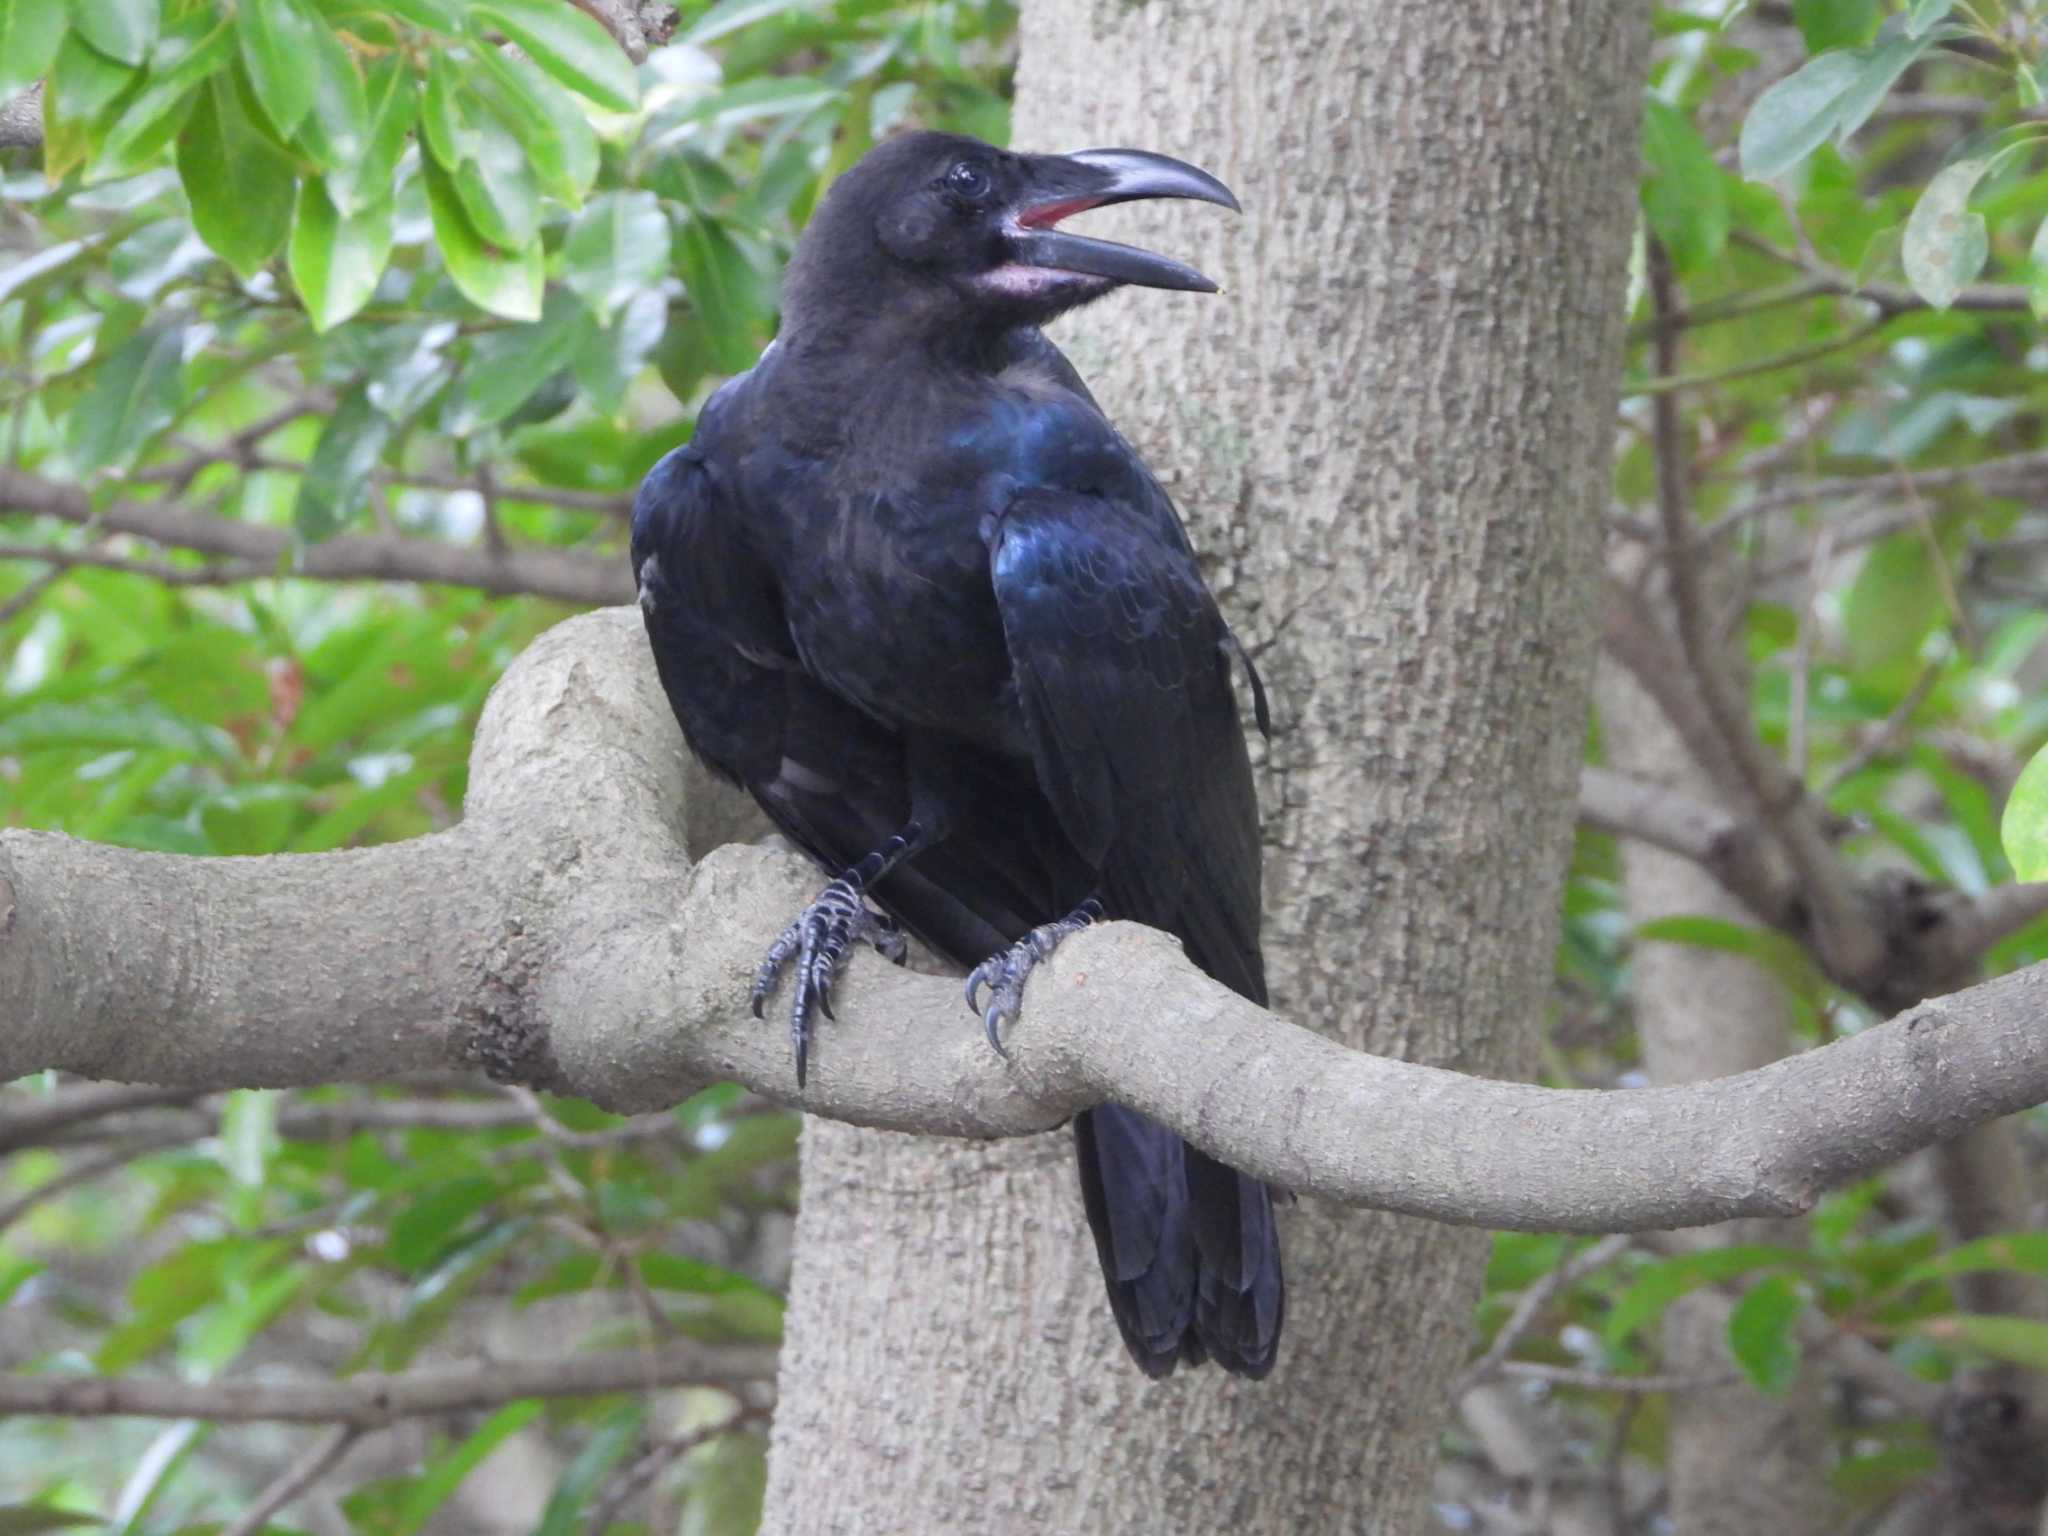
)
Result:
{"points": [[909, 588]]}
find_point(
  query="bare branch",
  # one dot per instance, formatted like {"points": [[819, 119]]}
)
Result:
{"points": [[67, 559], [27, 1121], [1731, 851], [318, 1460], [374, 1399], [563, 574], [562, 936], [1889, 298], [1532, 1302], [1607, 1381], [1847, 942]]}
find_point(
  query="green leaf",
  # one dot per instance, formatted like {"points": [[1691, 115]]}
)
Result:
{"points": [[550, 124], [124, 30], [83, 84], [391, 102], [444, 1473], [1782, 957], [566, 43], [728, 1482], [2020, 1340], [505, 283], [280, 51], [605, 1449], [134, 393], [2037, 273], [430, 1225], [248, 1133], [1881, 65], [1925, 13], [2024, 1252], [2023, 829], [336, 262], [731, 15], [1655, 1286], [1946, 245], [508, 366], [1794, 117], [1896, 599], [239, 187], [608, 358], [721, 285], [673, 1272], [434, 15], [617, 247], [1683, 195], [1760, 1333], [336, 485], [30, 31], [496, 185], [183, 61], [1826, 24], [336, 131], [34, 1519]]}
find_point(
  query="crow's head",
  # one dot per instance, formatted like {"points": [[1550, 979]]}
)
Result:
{"points": [[941, 232]]}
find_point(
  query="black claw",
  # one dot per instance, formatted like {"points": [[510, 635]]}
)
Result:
{"points": [[992, 1021]]}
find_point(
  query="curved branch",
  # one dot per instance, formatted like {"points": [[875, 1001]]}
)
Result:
{"points": [[562, 937]]}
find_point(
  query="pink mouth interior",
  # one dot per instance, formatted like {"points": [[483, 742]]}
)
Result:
{"points": [[1045, 215]]}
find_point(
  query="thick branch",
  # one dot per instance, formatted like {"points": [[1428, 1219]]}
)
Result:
{"points": [[571, 577], [373, 1399], [561, 936]]}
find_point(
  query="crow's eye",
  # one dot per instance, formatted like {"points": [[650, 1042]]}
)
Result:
{"points": [[968, 181]]}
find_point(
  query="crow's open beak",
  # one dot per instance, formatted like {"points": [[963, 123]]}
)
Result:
{"points": [[1067, 184]]}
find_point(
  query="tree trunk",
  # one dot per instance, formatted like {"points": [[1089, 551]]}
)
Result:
{"points": [[1390, 437]]}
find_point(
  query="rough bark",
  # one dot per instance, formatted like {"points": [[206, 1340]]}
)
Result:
{"points": [[1390, 437], [1739, 1462]]}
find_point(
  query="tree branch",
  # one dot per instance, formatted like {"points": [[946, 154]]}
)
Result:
{"points": [[314, 1463], [562, 574], [561, 936], [374, 1399]]}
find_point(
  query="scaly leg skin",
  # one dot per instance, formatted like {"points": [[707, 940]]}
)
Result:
{"points": [[823, 935], [1005, 972]]}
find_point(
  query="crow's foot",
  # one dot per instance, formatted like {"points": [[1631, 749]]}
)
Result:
{"points": [[1005, 972], [820, 941]]}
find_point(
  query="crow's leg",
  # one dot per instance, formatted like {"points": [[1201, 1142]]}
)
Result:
{"points": [[824, 934], [1005, 972]]}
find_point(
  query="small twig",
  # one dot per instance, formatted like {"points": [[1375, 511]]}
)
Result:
{"points": [[1889, 299], [635, 1479], [1802, 655], [1606, 1381], [33, 589], [32, 1120], [1942, 571], [1846, 943], [85, 1171], [318, 1460], [1531, 1303], [1670, 383], [1880, 741]]}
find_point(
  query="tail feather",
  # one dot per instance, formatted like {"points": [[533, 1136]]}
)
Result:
{"points": [[1188, 1249]]}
